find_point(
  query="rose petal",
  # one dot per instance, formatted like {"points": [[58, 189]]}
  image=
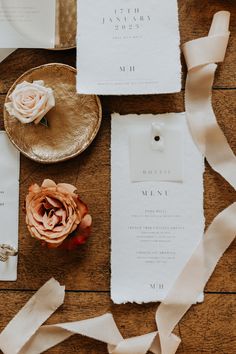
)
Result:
{"points": [[83, 209], [38, 82], [69, 188], [38, 214], [30, 102], [34, 188], [48, 183], [54, 214], [86, 222], [54, 202], [61, 213]]}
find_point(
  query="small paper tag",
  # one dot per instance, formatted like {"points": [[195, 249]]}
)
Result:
{"points": [[157, 155]]}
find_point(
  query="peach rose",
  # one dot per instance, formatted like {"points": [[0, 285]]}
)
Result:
{"points": [[56, 216], [30, 102]]}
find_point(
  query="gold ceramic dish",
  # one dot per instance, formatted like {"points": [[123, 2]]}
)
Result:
{"points": [[65, 24], [73, 122]]}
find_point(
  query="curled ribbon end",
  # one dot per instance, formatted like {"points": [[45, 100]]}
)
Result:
{"points": [[220, 23], [57, 289], [210, 49]]}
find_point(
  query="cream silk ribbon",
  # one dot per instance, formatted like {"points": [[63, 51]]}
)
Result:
{"points": [[25, 335]]}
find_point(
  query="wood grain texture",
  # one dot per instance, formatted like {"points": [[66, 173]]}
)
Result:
{"points": [[194, 17], [88, 268], [206, 328]]}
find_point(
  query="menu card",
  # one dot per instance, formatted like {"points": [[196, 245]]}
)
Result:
{"points": [[128, 47], [27, 23], [9, 200], [156, 222]]}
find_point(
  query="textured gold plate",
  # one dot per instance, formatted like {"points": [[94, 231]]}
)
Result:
{"points": [[66, 23], [73, 122]]}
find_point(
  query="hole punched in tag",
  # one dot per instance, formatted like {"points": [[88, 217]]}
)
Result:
{"points": [[156, 149], [157, 136]]}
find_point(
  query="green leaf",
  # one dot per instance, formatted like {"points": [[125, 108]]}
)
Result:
{"points": [[44, 122]]}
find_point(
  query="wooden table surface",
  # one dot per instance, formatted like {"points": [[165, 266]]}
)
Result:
{"points": [[207, 328]]}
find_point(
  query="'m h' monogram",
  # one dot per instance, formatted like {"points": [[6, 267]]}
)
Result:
{"points": [[127, 68], [157, 286]]}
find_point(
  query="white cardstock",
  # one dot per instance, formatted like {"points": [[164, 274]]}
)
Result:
{"points": [[128, 47], [27, 23], [9, 201], [156, 154], [155, 225]]}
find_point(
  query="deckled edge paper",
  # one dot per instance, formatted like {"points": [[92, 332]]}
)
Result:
{"points": [[151, 271], [216, 240], [9, 184], [122, 72]]}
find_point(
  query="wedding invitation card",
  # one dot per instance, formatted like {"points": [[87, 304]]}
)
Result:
{"points": [[128, 47], [27, 23], [157, 215], [9, 200]]}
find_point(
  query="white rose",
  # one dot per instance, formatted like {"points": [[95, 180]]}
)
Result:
{"points": [[29, 102]]}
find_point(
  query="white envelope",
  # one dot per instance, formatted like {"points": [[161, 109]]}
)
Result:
{"points": [[27, 23], [9, 203]]}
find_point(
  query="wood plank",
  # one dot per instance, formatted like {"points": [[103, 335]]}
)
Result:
{"points": [[210, 327], [206, 328], [195, 19], [24, 59], [88, 268]]}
